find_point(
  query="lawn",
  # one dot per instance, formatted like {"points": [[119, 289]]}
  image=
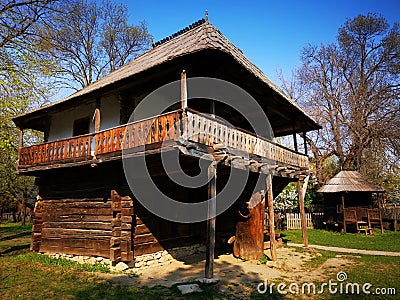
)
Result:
{"points": [[26, 275], [389, 241]]}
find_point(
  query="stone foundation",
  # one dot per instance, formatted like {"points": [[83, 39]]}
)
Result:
{"points": [[166, 256], [142, 261]]}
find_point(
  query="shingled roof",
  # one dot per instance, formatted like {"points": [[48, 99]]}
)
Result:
{"points": [[349, 181], [202, 37]]}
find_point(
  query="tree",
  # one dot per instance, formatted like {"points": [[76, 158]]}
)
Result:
{"points": [[352, 88], [87, 41], [18, 17], [23, 85]]}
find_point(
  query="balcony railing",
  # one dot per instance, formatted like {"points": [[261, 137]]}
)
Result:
{"points": [[171, 126]]}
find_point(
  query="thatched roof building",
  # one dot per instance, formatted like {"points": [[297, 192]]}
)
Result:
{"points": [[216, 57], [350, 181]]}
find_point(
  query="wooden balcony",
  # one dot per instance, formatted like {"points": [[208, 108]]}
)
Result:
{"points": [[185, 125]]}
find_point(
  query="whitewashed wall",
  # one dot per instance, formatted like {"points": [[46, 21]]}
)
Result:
{"points": [[62, 123], [110, 112]]}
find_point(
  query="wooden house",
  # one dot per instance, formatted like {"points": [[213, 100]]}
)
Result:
{"points": [[86, 206], [348, 202]]}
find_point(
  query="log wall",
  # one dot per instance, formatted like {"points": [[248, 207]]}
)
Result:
{"points": [[91, 226]]}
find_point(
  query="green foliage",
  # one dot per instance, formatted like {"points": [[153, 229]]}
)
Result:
{"points": [[263, 260], [351, 88], [24, 84], [289, 198]]}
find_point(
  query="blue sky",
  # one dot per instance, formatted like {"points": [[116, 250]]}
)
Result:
{"points": [[270, 33]]}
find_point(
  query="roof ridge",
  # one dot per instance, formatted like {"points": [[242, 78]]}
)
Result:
{"points": [[180, 32]]}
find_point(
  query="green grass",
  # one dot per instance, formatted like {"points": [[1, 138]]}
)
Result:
{"points": [[378, 271], [26, 275], [389, 241], [35, 276], [14, 239]]}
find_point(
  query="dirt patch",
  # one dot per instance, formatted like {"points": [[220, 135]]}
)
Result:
{"points": [[237, 276]]}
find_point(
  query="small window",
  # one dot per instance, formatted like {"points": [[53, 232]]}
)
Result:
{"points": [[81, 126]]}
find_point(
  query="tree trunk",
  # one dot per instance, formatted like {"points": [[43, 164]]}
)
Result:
{"points": [[23, 210]]}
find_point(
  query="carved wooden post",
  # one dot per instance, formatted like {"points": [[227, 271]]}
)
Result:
{"points": [[184, 104], [271, 217], [97, 119], [301, 189], [212, 210]]}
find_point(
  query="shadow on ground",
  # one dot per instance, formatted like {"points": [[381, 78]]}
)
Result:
{"points": [[238, 279]]}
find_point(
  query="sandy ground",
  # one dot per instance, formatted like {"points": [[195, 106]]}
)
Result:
{"points": [[235, 274]]}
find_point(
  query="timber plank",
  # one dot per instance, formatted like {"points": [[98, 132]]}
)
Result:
{"points": [[76, 251], [69, 200], [147, 248], [76, 211], [75, 233], [102, 245], [80, 205], [144, 238], [79, 225], [79, 217], [141, 229]]}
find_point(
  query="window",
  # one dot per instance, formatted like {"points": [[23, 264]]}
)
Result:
{"points": [[81, 126]]}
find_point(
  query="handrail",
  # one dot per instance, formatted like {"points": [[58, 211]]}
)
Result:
{"points": [[194, 126]]}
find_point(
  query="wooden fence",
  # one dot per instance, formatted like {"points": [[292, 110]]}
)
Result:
{"points": [[314, 220]]}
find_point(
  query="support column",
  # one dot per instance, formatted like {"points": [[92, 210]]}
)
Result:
{"points": [[271, 217], [301, 189], [380, 214], [344, 213], [184, 104], [97, 115], [212, 211], [295, 141], [305, 143]]}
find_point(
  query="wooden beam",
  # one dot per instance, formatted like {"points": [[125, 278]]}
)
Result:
{"points": [[270, 200], [212, 210], [302, 188], [184, 104], [295, 141]]}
